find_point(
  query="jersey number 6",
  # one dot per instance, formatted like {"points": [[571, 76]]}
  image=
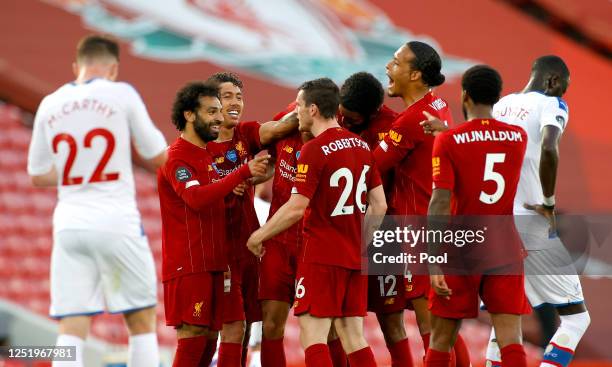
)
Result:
{"points": [[98, 175]]}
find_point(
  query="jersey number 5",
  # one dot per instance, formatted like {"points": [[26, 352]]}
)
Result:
{"points": [[98, 175], [334, 181], [491, 175]]}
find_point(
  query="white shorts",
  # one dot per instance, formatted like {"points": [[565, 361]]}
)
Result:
{"points": [[558, 288], [93, 271]]}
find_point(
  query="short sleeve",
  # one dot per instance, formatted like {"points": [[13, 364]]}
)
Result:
{"points": [[249, 131], [554, 113], [443, 174], [40, 154], [403, 136], [309, 168], [147, 138]]}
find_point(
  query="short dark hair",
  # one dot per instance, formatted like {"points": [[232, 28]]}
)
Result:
{"points": [[483, 84], [225, 77], [188, 99], [96, 46], [550, 64], [362, 93], [324, 93], [428, 62]]}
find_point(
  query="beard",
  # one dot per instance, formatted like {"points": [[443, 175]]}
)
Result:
{"points": [[203, 129]]}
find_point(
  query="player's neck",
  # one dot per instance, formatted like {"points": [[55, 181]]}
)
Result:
{"points": [[226, 133], [480, 112], [91, 72], [413, 94], [319, 126]]}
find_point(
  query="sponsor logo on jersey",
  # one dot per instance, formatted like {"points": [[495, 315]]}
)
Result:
{"points": [[232, 155], [182, 174], [302, 168], [395, 137], [381, 136], [197, 309], [435, 163]]}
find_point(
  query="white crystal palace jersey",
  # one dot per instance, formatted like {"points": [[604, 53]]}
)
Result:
{"points": [[84, 131], [531, 111]]}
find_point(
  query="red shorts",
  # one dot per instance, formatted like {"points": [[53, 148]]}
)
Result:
{"points": [[194, 299], [241, 303], [417, 286], [500, 294], [330, 291], [277, 272], [386, 293]]}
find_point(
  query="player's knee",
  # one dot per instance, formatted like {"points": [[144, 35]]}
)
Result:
{"points": [[191, 331], [233, 332], [273, 329], [393, 328], [578, 323], [140, 322]]}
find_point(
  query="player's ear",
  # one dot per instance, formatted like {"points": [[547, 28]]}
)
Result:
{"points": [[313, 109], [415, 75], [75, 69], [113, 72], [189, 116], [464, 97]]}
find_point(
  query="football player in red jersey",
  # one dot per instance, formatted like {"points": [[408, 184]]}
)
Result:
{"points": [[335, 179], [495, 151], [413, 72], [191, 197], [363, 112], [237, 142]]}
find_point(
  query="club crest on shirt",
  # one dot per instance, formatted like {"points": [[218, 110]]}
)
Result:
{"points": [[232, 155], [182, 174], [198, 309], [288, 149], [240, 149]]}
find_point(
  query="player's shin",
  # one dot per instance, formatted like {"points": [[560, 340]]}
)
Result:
{"points": [[65, 340], [560, 350]]}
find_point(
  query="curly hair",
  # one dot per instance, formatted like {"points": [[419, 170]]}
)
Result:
{"points": [[188, 99], [225, 77], [483, 84], [428, 62], [362, 93]]}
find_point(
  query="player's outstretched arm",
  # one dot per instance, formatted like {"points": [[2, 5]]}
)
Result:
{"points": [[48, 179], [377, 207], [288, 214], [272, 131]]}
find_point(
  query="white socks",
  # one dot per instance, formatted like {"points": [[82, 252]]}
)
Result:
{"points": [[143, 351], [65, 340], [560, 350]]}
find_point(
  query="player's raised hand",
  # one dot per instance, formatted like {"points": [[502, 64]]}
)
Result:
{"points": [[258, 165], [549, 214], [241, 188], [438, 283], [255, 246], [432, 125]]}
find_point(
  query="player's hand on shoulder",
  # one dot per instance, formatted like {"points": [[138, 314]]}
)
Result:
{"points": [[549, 214], [258, 165], [432, 125]]}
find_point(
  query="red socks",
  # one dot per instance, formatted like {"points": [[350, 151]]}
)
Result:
{"points": [[362, 358], [273, 353], [434, 358], [209, 352], [400, 354], [189, 351], [338, 356], [462, 354], [230, 355], [317, 355], [513, 355]]}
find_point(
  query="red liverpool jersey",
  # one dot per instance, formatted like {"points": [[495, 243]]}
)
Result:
{"points": [[192, 211], [480, 162], [408, 149], [379, 127], [335, 171], [229, 156]]}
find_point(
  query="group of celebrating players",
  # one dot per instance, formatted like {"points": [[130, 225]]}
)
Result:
{"points": [[340, 160]]}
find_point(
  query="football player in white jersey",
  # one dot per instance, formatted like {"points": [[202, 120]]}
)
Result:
{"points": [[101, 259], [543, 114]]}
